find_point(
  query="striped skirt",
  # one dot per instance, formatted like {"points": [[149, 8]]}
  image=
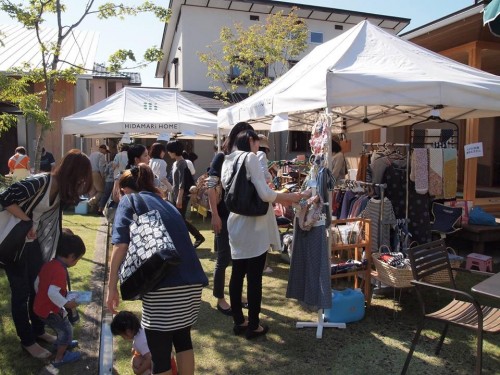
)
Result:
{"points": [[171, 308]]}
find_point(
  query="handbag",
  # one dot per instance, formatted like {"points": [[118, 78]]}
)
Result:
{"points": [[15, 231], [150, 255], [241, 196]]}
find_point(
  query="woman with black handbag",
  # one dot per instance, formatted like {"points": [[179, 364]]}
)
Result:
{"points": [[250, 236], [171, 308], [39, 199]]}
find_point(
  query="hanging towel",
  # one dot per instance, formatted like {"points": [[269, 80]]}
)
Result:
{"points": [[418, 138], [449, 173], [432, 137], [436, 171], [421, 170]]}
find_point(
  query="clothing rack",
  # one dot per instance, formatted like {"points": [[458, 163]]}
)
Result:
{"points": [[406, 146], [381, 187], [447, 137]]}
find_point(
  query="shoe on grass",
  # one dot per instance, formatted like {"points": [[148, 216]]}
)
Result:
{"points": [[198, 242], [36, 351], [72, 345], [68, 357]]}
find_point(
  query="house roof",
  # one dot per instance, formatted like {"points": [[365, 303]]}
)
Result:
{"points": [[101, 72], [455, 34], [205, 99], [334, 15], [20, 46]]}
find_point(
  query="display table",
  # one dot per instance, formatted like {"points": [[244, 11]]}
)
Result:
{"points": [[478, 235]]}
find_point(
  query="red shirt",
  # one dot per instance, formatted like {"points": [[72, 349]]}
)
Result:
{"points": [[52, 273]]}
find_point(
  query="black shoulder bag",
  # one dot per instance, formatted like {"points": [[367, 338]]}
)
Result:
{"points": [[241, 196]]}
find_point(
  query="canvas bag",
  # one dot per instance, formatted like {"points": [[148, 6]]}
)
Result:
{"points": [[13, 232], [150, 254], [241, 196]]}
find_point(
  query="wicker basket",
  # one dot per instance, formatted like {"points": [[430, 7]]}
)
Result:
{"points": [[391, 276], [442, 277]]}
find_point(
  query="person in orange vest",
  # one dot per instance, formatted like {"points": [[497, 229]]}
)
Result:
{"points": [[19, 164]]}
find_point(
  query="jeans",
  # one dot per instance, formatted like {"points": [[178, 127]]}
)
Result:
{"points": [[223, 259], [253, 269], [108, 188], [21, 278], [191, 228], [63, 328]]}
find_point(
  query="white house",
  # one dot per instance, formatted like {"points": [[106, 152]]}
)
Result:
{"points": [[195, 24]]}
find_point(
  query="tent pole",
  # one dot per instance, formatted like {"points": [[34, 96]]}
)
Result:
{"points": [[62, 144]]}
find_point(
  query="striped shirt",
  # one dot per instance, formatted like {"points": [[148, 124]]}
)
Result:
{"points": [[171, 308]]}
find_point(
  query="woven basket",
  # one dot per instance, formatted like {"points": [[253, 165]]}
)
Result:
{"points": [[442, 277], [391, 276]]}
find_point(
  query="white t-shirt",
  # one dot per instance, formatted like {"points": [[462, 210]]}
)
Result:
{"points": [[140, 344]]}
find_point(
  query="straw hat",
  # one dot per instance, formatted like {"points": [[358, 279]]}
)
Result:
{"points": [[264, 142]]}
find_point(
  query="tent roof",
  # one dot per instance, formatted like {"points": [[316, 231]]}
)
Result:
{"points": [[369, 79], [141, 110]]}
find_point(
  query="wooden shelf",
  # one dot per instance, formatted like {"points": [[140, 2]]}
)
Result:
{"points": [[341, 252]]}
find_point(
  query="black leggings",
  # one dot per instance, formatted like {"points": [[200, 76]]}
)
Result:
{"points": [[191, 228], [160, 346]]}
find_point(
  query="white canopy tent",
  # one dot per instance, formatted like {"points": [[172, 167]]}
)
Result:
{"points": [[142, 112], [368, 79]]}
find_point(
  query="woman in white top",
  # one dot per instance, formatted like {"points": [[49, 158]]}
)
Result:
{"points": [[250, 237], [159, 166]]}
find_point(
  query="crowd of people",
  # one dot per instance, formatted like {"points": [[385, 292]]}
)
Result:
{"points": [[39, 279]]}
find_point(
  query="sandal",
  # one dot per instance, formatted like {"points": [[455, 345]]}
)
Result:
{"points": [[36, 351]]}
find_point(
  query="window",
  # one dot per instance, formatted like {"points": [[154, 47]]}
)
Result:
{"points": [[316, 38], [254, 18], [299, 141], [235, 72], [175, 62], [339, 27]]}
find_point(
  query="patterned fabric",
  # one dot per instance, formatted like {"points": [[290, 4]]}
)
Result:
{"points": [[436, 171], [450, 173], [309, 276], [418, 204], [421, 170], [148, 236], [379, 235]]}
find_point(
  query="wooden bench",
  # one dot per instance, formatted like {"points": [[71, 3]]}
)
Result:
{"points": [[478, 235]]}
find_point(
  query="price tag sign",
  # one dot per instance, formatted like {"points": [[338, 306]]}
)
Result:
{"points": [[473, 150]]}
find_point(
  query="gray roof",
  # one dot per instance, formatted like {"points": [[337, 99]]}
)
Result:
{"points": [[101, 72], [20, 45], [205, 99]]}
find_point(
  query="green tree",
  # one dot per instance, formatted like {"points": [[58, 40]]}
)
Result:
{"points": [[252, 57], [15, 87]]}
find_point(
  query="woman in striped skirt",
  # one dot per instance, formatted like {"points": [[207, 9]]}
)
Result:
{"points": [[168, 311]]}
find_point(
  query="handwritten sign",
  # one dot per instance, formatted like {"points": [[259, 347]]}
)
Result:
{"points": [[473, 150]]}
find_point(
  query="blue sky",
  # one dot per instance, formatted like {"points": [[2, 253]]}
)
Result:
{"points": [[139, 33]]}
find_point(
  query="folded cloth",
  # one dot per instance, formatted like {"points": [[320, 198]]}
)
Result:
{"points": [[436, 171], [421, 170]]}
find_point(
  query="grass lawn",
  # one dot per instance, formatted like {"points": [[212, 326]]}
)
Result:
{"points": [[376, 345]]}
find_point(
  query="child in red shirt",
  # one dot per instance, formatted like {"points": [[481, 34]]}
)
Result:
{"points": [[51, 303]]}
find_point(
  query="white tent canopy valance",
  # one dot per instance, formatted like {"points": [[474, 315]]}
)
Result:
{"points": [[142, 112], [368, 79]]}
